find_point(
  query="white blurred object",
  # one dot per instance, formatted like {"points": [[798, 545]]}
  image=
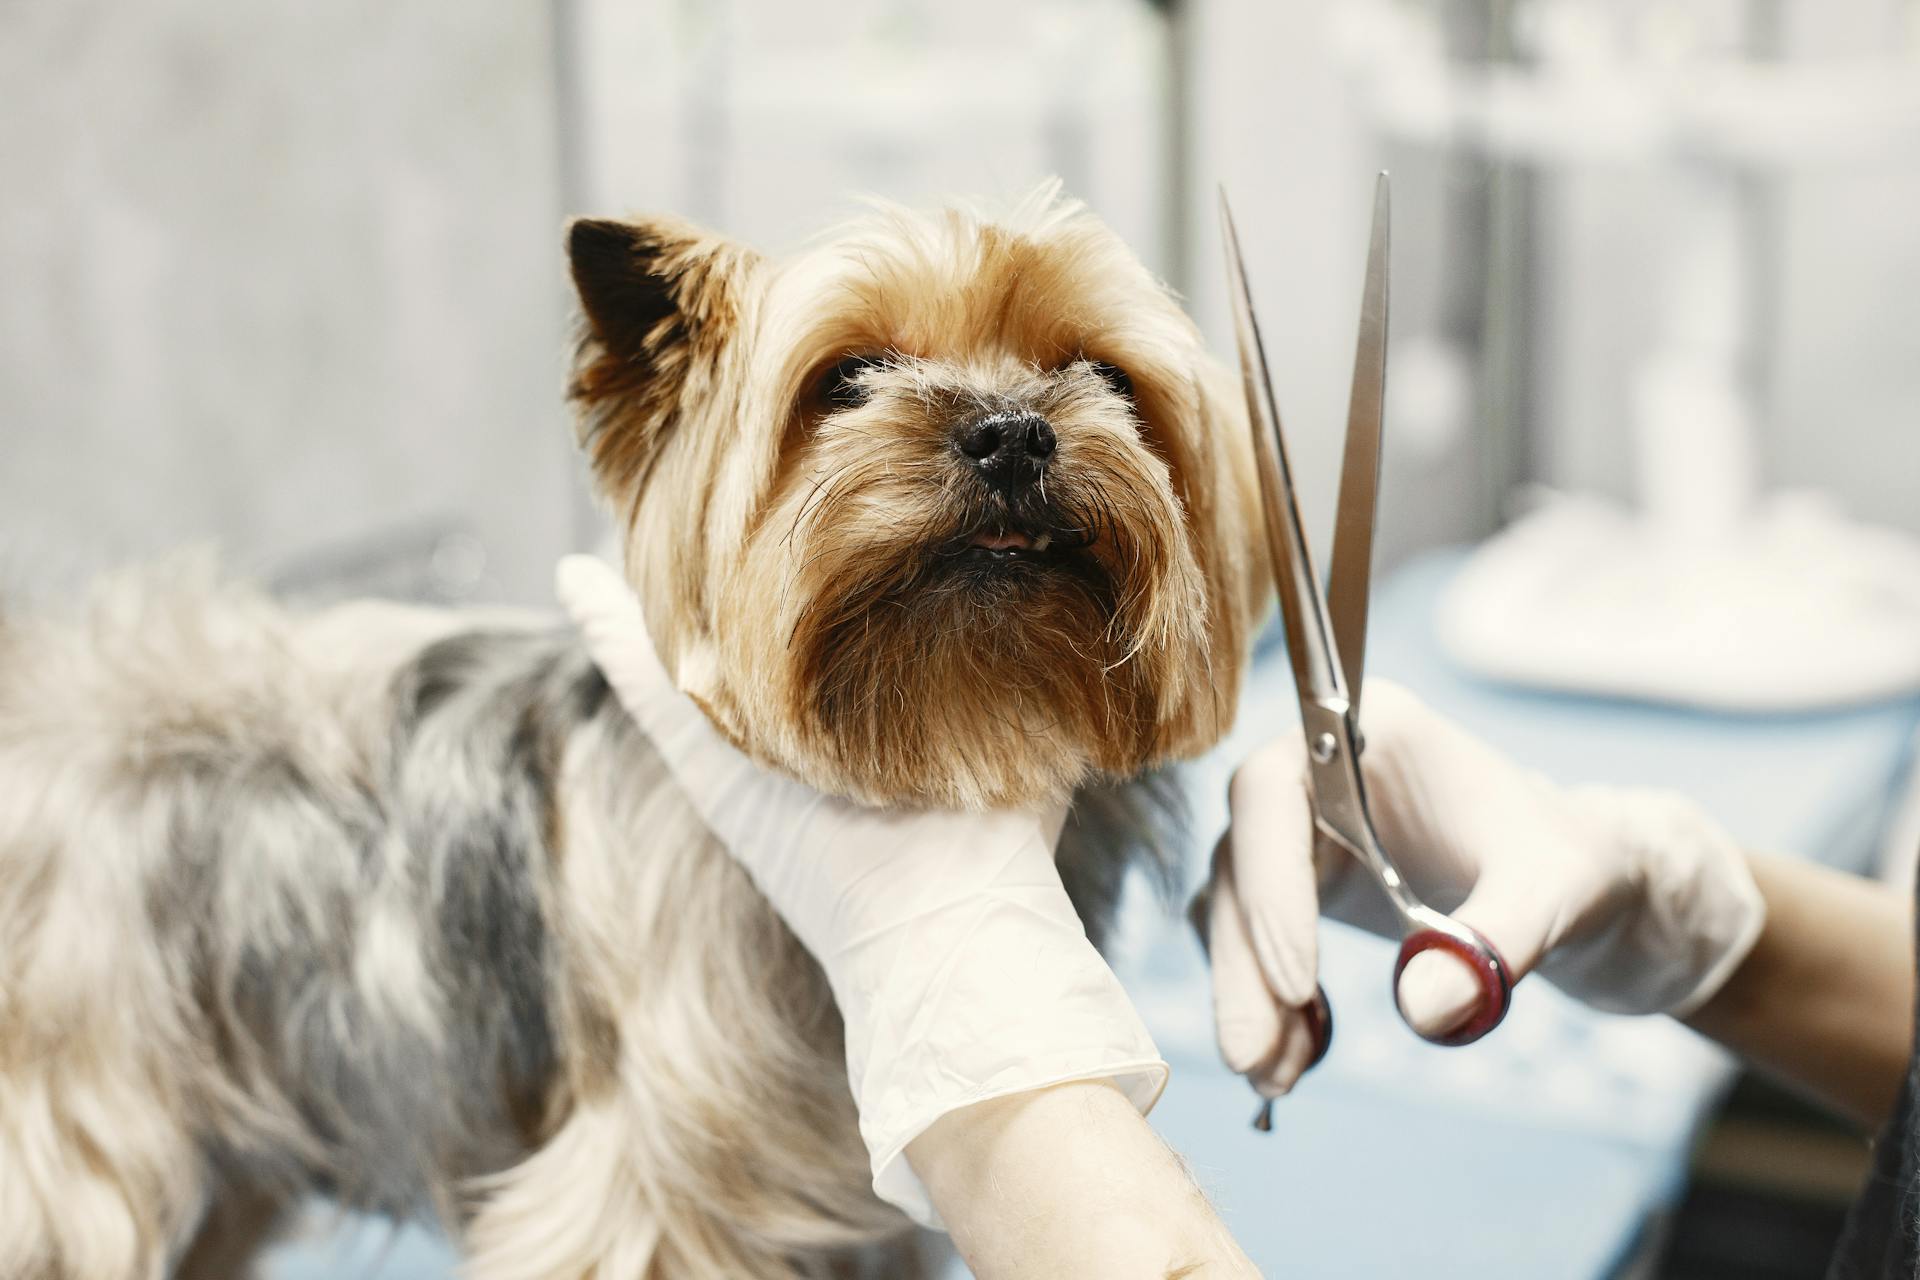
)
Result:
{"points": [[1432, 400], [1796, 608], [1694, 439]]}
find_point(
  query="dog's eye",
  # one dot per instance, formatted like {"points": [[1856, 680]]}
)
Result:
{"points": [[1115, 377], [840, 385]]}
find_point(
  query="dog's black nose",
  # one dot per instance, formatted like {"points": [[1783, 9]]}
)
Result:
{"points": [[1011, 448]]}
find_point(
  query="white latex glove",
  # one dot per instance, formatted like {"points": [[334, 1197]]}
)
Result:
{"points": [[1633, 901], [961, 970]]}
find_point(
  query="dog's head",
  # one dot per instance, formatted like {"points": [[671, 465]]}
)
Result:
{"points": [[946, 510]]}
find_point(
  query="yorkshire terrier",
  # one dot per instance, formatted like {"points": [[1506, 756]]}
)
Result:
{"points": [[397, 906]]}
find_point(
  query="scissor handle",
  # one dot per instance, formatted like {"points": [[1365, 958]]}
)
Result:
{"points": [[1473, 949], [1320, 1023]]}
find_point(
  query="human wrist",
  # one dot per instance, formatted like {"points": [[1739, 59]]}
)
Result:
{"points": [[1070, 1183], [1681, 913], [993, 994], [1825, 999]]}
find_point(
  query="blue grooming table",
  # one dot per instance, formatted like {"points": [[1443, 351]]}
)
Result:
{"points": [[1543, 1151]]}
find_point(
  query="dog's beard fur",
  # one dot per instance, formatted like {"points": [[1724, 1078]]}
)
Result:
{"points": [[799, 526], [910, 663], [400, 906]]}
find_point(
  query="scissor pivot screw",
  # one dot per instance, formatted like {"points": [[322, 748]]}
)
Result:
{"points": [[1323, 747]]}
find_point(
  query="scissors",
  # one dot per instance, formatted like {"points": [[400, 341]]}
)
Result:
{"points": [[1326, 633]]}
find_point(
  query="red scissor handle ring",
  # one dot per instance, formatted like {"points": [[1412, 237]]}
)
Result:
{"points": [[1320, 1022], [1319, 1014], [1485, 962]]}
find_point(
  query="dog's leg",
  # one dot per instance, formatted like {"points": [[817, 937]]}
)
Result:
{"points": [[238, 1225]]}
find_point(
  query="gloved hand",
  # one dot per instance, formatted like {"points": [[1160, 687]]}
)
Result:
{"points": [[961, 970], [1633, 901]]}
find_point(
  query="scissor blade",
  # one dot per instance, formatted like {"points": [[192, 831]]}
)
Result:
{"points": [[1316, 668], [1351, 572]]}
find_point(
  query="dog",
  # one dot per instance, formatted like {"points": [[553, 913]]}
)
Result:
{"points": [[396, 905]]}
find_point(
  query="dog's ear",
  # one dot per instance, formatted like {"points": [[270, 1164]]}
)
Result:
{"points": [[661, 301]]}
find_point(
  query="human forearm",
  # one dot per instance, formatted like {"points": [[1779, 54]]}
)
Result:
{"points": [[1825, 999], [1070, 1182]]}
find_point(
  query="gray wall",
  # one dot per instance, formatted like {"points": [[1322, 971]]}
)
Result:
{"points": [[287, 279], [1833, 351], [1276, 119]]}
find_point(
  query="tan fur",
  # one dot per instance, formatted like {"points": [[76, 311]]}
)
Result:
{"points": [[780, 551]]}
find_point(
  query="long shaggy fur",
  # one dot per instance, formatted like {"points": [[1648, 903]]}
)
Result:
{"points": [[796, 558], [396, 905], [418, 922]]}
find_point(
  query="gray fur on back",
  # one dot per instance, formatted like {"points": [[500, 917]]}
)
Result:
{"points": [[444, 843]]}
